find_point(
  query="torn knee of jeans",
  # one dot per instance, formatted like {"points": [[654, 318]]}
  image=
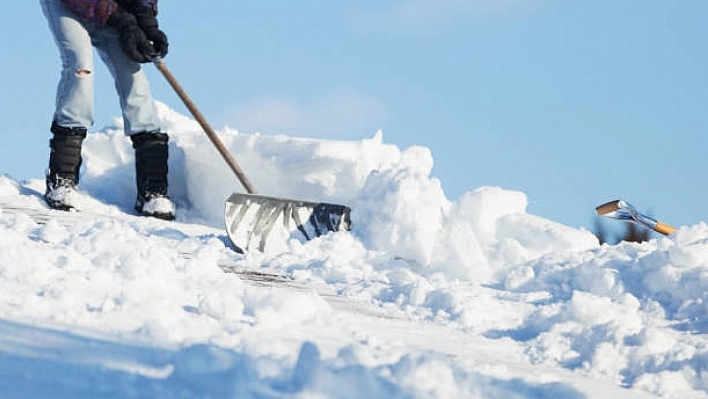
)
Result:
{"points": [[82, 72]]}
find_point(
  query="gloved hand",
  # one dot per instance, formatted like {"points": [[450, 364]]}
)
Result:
{"points": [[148, 22], [133, 40]]}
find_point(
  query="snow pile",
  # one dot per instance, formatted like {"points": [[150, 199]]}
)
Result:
{"points": [[398, 209], [425, 297]]}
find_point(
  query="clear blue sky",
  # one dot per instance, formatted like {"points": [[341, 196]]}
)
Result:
{"points": [[573, 102]]}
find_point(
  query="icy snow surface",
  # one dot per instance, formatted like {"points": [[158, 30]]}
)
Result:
{"points": [[427, 297]]}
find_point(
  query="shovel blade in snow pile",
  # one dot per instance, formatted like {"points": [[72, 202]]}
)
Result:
{"points": [[257, 222]]}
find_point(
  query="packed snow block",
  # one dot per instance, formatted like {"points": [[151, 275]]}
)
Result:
{"points": [[691, 249], [469, 233], [497, 215], [482, 207], [539, 236], [458, 253], [470, 229], [489, 232], [402, 209]]}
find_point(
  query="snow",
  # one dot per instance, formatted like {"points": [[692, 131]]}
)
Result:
{"points": [[426, 297]]}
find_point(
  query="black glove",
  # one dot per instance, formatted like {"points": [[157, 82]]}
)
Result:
{"points": [[148, 22], [133, 40]]}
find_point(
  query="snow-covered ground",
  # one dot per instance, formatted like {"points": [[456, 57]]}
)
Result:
{"points": [[426, 297]]}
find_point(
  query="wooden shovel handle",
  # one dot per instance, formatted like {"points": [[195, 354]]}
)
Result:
{"points": [[235, 167]]}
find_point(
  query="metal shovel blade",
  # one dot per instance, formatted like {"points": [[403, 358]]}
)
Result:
{"points": [[263, 223]]}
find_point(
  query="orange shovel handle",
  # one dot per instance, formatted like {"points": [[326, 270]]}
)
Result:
{"points": [[664, 228]]}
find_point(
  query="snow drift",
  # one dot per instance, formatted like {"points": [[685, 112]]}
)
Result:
{"points": [[426, 297]]}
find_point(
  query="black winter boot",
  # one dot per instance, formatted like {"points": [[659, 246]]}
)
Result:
{"points": [[64, 164], [151, 152]]}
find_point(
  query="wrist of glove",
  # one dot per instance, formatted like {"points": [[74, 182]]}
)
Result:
{"points": [[141, 44], [147, 21]]}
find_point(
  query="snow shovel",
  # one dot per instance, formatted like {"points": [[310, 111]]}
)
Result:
{"points": [[251, 218], [622, 210]]}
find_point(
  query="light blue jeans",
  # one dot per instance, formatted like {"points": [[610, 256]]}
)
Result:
{"points": [[75, 39]]}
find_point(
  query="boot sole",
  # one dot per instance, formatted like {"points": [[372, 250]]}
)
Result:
{"points": [[158, 215], [163, 216], [59, 206]]}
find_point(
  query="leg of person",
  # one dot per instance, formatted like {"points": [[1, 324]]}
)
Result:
{"points": [[74, 105], [142, 125]]}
